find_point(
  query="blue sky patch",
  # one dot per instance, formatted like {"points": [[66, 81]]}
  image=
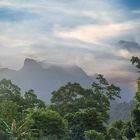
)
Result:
{"points": [[12, 15]]}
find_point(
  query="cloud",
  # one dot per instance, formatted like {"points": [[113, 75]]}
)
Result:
{"points": [[94, 33], [75, 32], [131, 46]]}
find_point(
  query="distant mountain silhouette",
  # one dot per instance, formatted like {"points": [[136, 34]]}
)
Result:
{"points": [[129, 45], [45, 78]]}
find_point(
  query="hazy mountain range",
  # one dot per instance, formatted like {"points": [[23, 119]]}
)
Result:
{"points": [[46, 77]]}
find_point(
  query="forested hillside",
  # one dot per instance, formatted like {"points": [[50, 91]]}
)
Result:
{"points": [[121, 111], [44, 78], [75, 113]]}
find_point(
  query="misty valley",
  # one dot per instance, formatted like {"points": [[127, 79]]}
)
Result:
{"points": [[77, 106], [69, 69]]}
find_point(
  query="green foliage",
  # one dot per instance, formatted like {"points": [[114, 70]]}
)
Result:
{"points": [[10, 91], [14, 107], [51, 137], [72, 97], [31, 100], [86, 110], [47, 122], [4, 136], [32, 119], [114, 133], [13, 132], [136, 111], [9, 110], [121, 129], [125, 129], [128, 133], [102, 94], [137, 136], [84, 121], [136, 60], [93, 135], [67, 99], [119, 124], [103, 87]]}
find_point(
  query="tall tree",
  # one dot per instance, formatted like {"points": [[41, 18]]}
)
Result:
{"points": [[66, 99], [136, 111], [31, 100], [9, 110], [82, 121], [9, 91], [46, 122], [93, 135], [72, 97]]}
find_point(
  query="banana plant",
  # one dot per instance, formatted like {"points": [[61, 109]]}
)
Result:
{"points": [[14, 132]]}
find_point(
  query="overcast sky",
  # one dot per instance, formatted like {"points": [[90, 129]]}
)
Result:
{"points": [[86, 33]]}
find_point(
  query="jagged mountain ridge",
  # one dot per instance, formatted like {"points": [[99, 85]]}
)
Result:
{"points": [[45, 80], [47, 77]]}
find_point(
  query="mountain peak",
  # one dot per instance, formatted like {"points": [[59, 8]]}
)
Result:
{"points": [[31, 63]]}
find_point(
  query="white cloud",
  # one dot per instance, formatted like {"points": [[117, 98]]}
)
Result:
{"points": [[72, 41], [94, 33]]}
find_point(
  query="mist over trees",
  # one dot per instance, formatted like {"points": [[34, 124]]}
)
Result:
{"points": [[75, 112]]}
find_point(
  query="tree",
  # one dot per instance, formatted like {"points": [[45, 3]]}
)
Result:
{"points": [[3, 135], [114, 133], [46, 122], [31, 100], [135, 60], [128, 131], [9, 110], [10, 91], [93, 135], [65, 100], [13, 132], [119, 124], [103, 93], [82, 121], [72, 97], [13, 106], [136, 111]]}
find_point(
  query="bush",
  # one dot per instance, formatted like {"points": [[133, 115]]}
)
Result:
{"points": [[4, 136], [93, 135]]}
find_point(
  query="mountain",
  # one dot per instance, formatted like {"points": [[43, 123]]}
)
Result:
{"points": [[121, 111], [45, 78], [131, 46], [6, 73]]}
